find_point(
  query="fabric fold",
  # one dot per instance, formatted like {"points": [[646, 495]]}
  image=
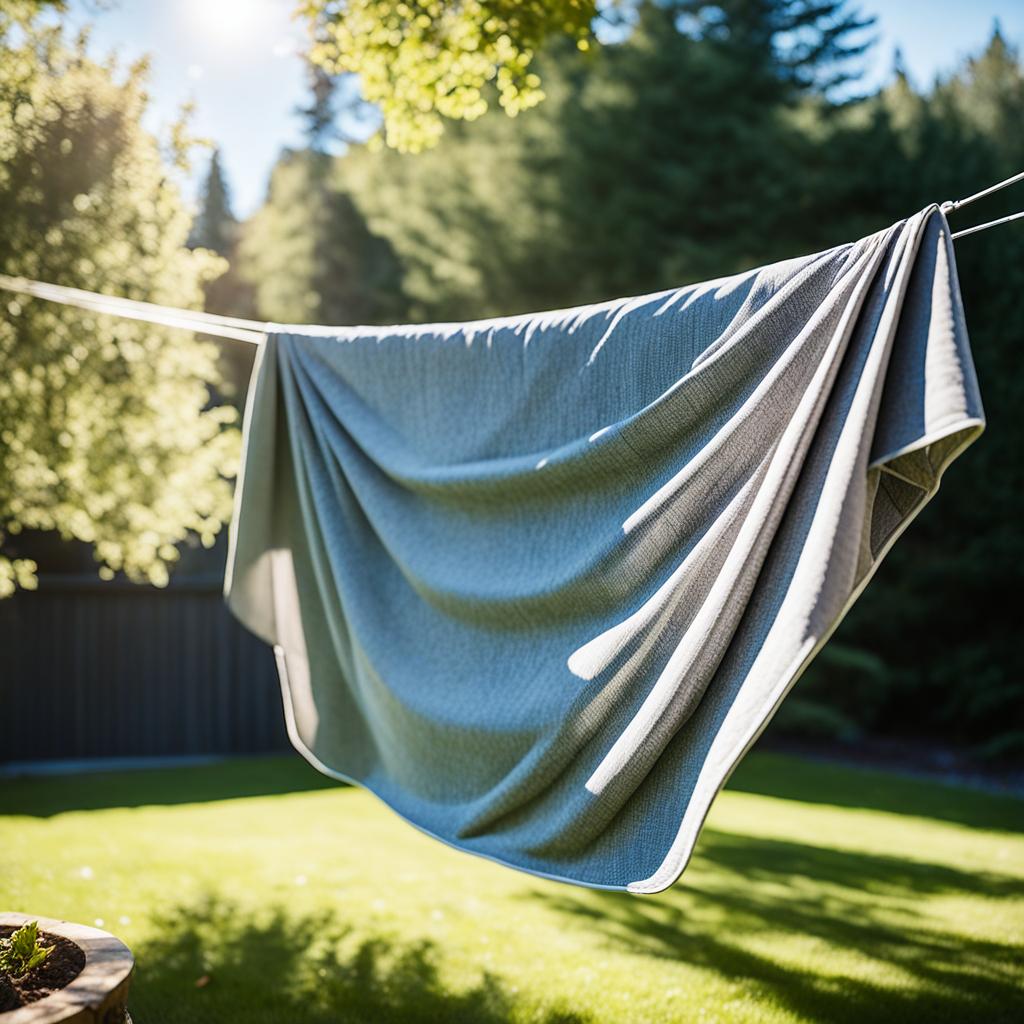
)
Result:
{"points": [[539, 582]]}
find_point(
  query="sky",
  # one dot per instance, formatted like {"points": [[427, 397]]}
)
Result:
{"points": [[238, 62]]}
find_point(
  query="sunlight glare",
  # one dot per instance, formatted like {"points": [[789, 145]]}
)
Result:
{"points": [[233, 22]]}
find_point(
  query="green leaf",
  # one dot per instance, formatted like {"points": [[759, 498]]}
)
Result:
{"points": [[22, 950]]}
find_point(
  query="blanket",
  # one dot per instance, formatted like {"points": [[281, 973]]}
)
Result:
{"points": [[539, 582]]}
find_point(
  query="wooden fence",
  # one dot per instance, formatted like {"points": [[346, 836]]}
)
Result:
{"points": [[91, 669]]}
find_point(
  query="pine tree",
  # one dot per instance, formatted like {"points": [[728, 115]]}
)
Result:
{"points": [[619, 183], [309, 255], [802, 44], [988, 94], [215, 226], [319, 114]]}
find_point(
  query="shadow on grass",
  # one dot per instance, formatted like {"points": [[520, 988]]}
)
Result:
{"points": [[42, 797], [787, 777], [780, 776], [856, 903], [285, 968]]}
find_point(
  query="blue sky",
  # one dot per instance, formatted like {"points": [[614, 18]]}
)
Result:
{"points": [[237, 60]]}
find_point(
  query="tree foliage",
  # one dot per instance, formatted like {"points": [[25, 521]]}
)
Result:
{"points": [[308, 254], [319, 115], [620, 183], [707, 139], [942, 612], [807, 44], [106, 430], [215, 226], [421, 62]]}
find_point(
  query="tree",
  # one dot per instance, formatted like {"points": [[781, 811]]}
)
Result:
{"points": [[107, 434], [422, 62], [804, 44], [684, 152], [664, 158], [476, 222], [216, 229], [319, 115], [988, 95], [936, 648], [309, 255], [215, 226], [968, 688]]}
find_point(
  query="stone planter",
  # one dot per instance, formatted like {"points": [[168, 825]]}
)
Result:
{"points": [[99, 993]]}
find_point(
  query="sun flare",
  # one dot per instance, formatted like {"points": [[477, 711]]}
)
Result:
{"points": [[235, 22]]}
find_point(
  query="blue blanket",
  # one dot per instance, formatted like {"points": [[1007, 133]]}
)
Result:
{"points": [[539, 582]]}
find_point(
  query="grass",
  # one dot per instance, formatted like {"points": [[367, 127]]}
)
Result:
{"points": [[818, 893]]}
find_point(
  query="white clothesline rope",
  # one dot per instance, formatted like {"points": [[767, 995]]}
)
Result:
{"points": [[252, 331], [234, 328], [952, 205], [988, 224], [956, 204]]}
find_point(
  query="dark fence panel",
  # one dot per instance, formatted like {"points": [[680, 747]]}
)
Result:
{"points": [[92, 669]]}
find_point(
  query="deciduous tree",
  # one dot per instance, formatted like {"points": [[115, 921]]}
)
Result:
{"points": [[106, 429]]}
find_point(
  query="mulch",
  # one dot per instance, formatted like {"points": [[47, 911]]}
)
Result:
{"points": [[60, 968]]}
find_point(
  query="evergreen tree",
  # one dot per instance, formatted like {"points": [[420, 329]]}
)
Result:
{"points": [[319, 114], [309, 255], [619, 183], [476, 222], [215, 226], [965, 689], [805, 44], [680, 155], [988, 95]]}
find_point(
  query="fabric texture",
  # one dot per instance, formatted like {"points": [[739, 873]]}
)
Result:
{"points": [[538, 582]]}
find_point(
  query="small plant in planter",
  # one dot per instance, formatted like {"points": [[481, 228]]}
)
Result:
{"points": [[58, 972], [22, 951]]}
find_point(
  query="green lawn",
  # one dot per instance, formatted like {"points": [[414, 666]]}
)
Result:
{"points": [[817, 893]]}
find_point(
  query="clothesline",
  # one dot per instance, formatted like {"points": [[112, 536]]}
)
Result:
{"points": [[231, 327], [951, 206], [958, 204], [988, 224], [254, 332]]}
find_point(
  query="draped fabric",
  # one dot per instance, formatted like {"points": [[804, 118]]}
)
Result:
{"points": [[538, 582]]}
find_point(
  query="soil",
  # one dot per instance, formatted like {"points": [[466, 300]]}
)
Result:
{"points": [[60, 968]]}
